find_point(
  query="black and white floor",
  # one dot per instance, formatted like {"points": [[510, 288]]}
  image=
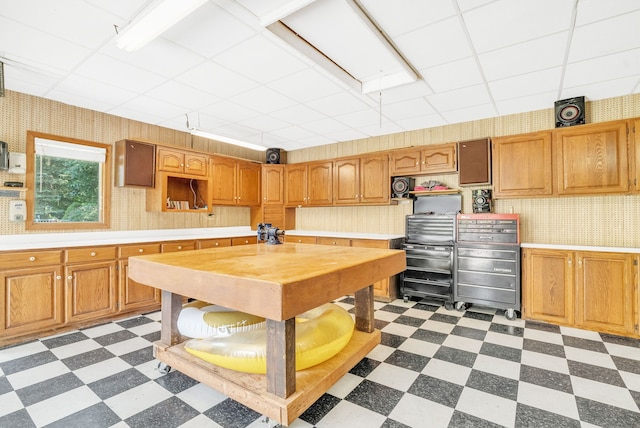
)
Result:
{"points": [[434, 368]]}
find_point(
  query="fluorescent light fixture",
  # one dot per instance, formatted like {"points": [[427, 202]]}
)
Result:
{"points": [[228, 140], [155, 20], [355, 49]]}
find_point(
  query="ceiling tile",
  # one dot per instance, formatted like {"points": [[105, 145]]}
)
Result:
{"points": [[506, 22], [603, 68], [325, 125], [407, 109], [600, 90], [386, 127], [422, 122], [263, 99], [229, 111], [102, 94], [117, 73], [141, 104], [526, 84], [597, 10], [460, 98], [593, 40], [260, 59], [209, 31], [435, 44], [338, 104], [453, 75], [469, 114], [397, 18], [217, 80], [293, 133], [402, 93], [305, 85], [534, 55], [529, 103], [298, 113], [182, 95], [27, 82], [265, 123], [360, 118]]}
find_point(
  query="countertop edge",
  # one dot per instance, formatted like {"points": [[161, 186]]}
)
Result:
{"points": [[582, 248]]}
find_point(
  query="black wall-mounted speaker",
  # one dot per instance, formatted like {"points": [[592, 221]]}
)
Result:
{"points": [[569, 112], [401, 186], [276, 156], [482, 201]]}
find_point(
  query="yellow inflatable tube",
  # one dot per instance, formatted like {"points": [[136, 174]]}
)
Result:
{"points": [[320, 334], [199, 320]]}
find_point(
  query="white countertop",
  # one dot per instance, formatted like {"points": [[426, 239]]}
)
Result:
{"points": [[582, 248], [30, 241]]}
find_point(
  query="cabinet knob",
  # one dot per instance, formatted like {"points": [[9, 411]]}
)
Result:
{"points": [[217, 243], [32, 259], [93, 254], [179, 247], [300, 240], [58, 277], [141, 250], [70, 277], [246, 242]]}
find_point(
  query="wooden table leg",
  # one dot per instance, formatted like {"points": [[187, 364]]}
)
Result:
{"points": [[281, 357], [364, 309], [171, 307]]}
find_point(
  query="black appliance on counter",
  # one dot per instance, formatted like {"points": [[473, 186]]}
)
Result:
{"points": [[488, 261], [430, 235]]}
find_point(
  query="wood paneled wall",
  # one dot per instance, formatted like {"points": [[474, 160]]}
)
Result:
{"points": [[612, 220]]}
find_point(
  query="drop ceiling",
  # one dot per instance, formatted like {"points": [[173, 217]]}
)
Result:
{"points": [[226, 72]]}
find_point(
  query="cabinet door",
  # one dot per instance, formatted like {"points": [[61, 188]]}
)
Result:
{"points": [[134, 295], [90, 290], [439, 159], [592, 159], [169, 247], [213, 243], [248, 183], [346, 181], [547, 284], [170, 160], [522, 165], [605, 292], [135, 164], [273, 184], [374, 179], [195, 164], [405, 162], [296, 185], [244, 240], [320, 184], [223, 181], [31, 299]]}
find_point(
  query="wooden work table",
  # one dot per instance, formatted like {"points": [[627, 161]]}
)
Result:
{"points": [[277, 282]]}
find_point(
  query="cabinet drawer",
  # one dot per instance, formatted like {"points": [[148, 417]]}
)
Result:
{"points": [[244, 240], [369, 243], [138, 250], [170, 247], [88, 254], [30, 258], [214, 243], [324, 240], [300, 239]]}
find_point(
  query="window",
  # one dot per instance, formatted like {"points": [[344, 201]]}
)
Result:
{"points": [[68, 183]]}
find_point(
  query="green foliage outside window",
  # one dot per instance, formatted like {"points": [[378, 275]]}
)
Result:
{"points": [[67, 190]]}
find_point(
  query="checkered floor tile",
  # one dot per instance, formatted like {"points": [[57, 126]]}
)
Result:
{"points": [[434, 368]]}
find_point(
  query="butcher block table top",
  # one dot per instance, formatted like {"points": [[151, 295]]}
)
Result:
{"points": [[276, 282], [273, 281]]}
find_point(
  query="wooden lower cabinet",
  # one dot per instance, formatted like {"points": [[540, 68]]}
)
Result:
{"points": [[90, 290], [31, 300], [133, 295], [585, 289]]}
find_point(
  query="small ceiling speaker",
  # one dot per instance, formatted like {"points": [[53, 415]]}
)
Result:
{"points": [[569, 112], [276, 156]]}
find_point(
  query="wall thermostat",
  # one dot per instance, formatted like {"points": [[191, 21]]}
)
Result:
{"points": [[17, 210]]}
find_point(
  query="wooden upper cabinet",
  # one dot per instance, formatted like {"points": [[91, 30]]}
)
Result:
{"points": [[434, 159], [135, 164], [309, 184], [592, 159], [374, 179], [182, 162], [346, 181], [522, 165], [235, 182], [273, 184], [320, 183]]}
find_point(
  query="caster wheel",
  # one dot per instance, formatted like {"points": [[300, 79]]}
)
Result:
{"points": [[406, 299], [461, 306], [163, 368], [448, 306], [510, 314]]}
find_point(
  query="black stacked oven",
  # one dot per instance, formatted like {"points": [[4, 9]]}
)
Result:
{"points": [[430, 235]]}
